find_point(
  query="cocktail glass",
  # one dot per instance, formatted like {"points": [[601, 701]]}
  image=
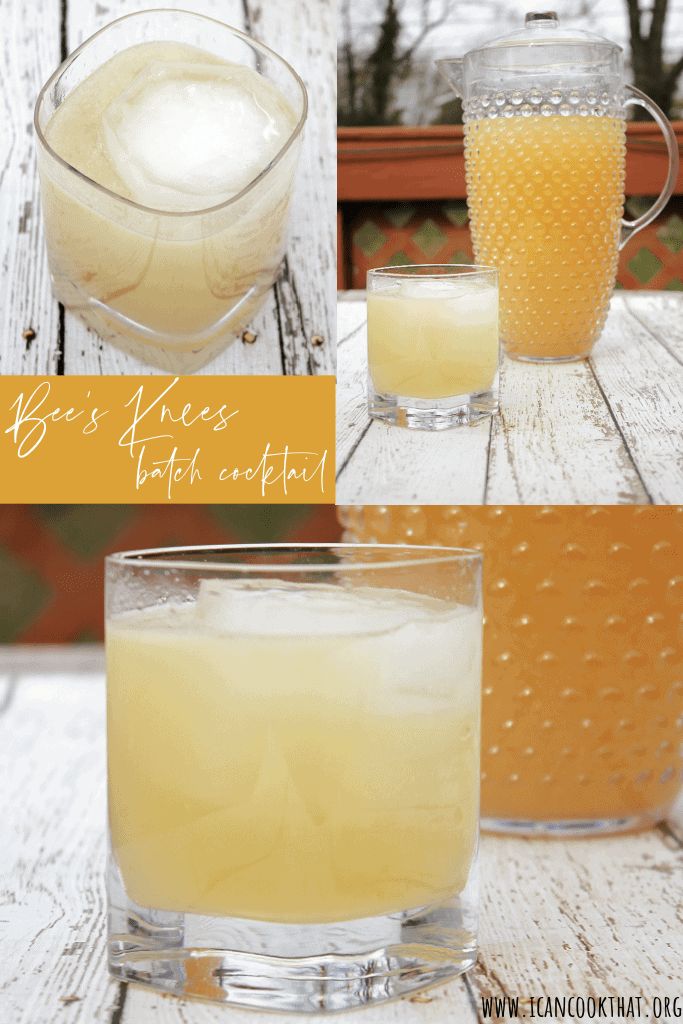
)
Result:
{"points": [[293, 755], [171, 286], [433, 349]]}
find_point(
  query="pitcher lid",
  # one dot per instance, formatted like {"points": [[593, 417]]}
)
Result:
{"points": [[542, 28]]}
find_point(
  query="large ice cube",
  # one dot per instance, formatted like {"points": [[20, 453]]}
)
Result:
{"points": [[186, 136], [470, 300], [279, 608], [420, 287]]}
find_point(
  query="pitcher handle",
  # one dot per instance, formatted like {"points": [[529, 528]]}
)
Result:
{"points": [[630, 227]]}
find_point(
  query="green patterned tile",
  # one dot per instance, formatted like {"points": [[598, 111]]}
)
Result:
{"points": [[400, 259], [400, 214], [258, 523], [644, 265], [635, 206], [85, 531], [22, 600], [456, 212], [671, 233], [369, 238], [460, 257], [675, 285], [429, 237]]}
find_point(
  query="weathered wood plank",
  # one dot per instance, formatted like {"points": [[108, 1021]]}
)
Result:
{"points": [[52, 867], [559, 917], [299, 310], [606, 431], [34, 659], [86, 353], [378, 464], [352, 407], [642, 381], [443, 468], [555, 441], [661, 313], [304, 33], [29, 52], [52, 853], [582, 917]]}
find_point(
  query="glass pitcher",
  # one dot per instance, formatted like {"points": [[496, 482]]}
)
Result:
{"points": [[545, 144], [582, 687]]}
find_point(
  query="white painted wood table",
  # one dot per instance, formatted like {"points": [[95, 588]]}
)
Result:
{"points": [[559, 918], [299, 311], [608, 430]]}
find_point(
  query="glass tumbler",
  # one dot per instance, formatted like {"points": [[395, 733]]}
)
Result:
{"points": [[293, 771], [171, 286], [582, 727], [433, 347]]}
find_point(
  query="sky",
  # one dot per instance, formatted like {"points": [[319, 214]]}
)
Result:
{"points": [[472, 22]]}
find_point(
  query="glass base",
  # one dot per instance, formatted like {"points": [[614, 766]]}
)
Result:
{"points": [[577, 358], [173, 354], [323, 968], [562, 828], [432, 413]]}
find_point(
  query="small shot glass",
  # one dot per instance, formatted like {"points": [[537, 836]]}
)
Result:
{"points": [[433, 345]]}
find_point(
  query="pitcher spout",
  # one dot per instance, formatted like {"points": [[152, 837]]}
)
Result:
{"points": [[451, 68]]}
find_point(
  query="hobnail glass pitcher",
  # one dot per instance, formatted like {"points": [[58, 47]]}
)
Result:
{"points": [[582, 686], [544, 111]]}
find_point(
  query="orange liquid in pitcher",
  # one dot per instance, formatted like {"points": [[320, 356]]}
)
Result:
{"points": [[583, 673], [545, 196]]}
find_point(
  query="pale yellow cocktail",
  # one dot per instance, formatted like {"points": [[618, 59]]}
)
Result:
{"points": [[545, 196], [432, 344], [166, 173], [294, 754]]}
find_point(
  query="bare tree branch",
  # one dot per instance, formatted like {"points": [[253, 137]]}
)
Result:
{"points": [[647, 53], [427, 27], [674, 74], [369, 73], [656, 32], [634, 20], [349, 56]]}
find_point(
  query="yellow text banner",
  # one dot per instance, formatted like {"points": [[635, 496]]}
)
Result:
{"points": [[167, 439]]}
